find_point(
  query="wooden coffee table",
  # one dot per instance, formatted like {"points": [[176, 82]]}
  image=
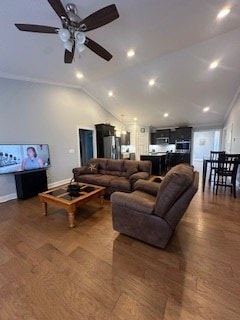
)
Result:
{"points": [[61, 198]]}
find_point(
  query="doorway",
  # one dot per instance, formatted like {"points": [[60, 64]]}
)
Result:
{"points": [[203, 143], [85, 145]]}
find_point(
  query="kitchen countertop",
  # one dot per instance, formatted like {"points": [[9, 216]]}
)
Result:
{"points": [[157, 153]]}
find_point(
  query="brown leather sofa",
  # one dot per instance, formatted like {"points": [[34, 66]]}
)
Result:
{"points": [[115, 175], [153, 210]]}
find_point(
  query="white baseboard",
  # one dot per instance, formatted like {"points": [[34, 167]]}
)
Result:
{"points": [[8, 197], [51, 185], [58, 183]]}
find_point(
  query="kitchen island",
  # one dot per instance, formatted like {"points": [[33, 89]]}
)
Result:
{"points": [[158, 162]]}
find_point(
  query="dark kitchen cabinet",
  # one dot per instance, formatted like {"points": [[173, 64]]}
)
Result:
{"points": [[158, 163], [172, 137], [125, 139], [162, 133], [183, 133], [175, 158], [103, 130], [153, 138]]}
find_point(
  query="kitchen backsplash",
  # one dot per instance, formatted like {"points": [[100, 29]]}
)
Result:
{"points": [[162, 148], [128, 148]]}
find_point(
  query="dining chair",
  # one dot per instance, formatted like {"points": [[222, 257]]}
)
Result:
{"points": [[214, 156], [226, 172]]}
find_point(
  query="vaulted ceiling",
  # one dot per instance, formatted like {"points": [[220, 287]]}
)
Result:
{"points": [[174, 42]]}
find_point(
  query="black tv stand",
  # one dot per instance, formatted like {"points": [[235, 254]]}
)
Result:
{"points": [[30, 183]]}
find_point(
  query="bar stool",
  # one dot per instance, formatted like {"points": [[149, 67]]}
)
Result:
{"points": [[214, 156], [226, 172]]}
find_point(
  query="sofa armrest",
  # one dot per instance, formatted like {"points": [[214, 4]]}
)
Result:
{"points": [[139, 175], [133, 202], [149, 187], [78, 171]]}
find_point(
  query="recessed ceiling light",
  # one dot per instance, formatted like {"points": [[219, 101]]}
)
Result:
{"points": [[134, 119], [223, 13], [151, 82], [110, 93], [130, 53], [79, 75], [206, 109], [165, 115], [214, 64]]}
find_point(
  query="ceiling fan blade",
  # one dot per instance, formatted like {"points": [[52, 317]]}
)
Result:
{"points": [[99, 50], [59, 9], [100, 18], [68, 56], [36, 28]]}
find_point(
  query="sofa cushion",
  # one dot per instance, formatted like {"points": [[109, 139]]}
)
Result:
{"points": [[103, 180], [129, 163], [137, 201], [121, 184], [89, 178], [131, 170], [112, 173], [176, 181], [114, 165]]}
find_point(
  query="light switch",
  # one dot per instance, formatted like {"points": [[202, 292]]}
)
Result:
{"points": [[71, 151]]}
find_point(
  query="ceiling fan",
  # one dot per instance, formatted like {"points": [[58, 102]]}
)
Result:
{"points": [[73, 28]]}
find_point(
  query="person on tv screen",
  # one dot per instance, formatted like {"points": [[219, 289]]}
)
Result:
{"points": [[32, 161]]}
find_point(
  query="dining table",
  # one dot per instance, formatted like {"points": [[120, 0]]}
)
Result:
{"points": [[207, 161]]}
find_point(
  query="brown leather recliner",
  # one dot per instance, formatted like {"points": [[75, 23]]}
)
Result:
{"points": [[153, 210]]}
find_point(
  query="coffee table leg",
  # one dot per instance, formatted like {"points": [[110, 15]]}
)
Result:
{"points": [[71, 217], [101, 201], [44, 207]]}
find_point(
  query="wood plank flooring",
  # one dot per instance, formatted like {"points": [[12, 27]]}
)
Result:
{"points": [[49, 272]]}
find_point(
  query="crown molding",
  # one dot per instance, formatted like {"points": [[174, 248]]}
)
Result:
{"points": [[12, 76]]}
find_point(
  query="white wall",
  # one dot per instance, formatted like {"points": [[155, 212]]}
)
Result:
{"points": [[233, 122], [37, 113], [203, 143]]}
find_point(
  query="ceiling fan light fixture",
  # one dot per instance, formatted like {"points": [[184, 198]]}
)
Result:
{"points": [[81, 47], [64, 34], [80, 37], [68, 45]]}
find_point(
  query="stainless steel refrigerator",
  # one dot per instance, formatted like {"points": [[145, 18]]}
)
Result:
{"points": [[112, 147]]}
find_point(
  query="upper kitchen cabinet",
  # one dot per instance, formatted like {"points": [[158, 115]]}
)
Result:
{"points": [[153, 138], [105, 129], [172, 136], [183, 133], [125, 138], [162, 133]]}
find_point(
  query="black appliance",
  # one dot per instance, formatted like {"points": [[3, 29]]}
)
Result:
{"points": [[182, 146]]}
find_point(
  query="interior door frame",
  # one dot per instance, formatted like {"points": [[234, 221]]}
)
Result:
{"points": [[94, 141], [227, 138]]}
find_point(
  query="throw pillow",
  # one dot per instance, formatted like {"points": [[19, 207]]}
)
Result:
{"points": [[92, 168], [131, 170]]}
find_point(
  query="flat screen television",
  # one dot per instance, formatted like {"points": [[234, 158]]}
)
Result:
{"points": [[21, 157]]}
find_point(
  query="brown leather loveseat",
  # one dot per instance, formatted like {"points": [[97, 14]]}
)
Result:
{"points": [[153, 210]]}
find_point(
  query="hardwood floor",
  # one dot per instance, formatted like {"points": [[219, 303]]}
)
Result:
{"points": [[48, 271]]}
